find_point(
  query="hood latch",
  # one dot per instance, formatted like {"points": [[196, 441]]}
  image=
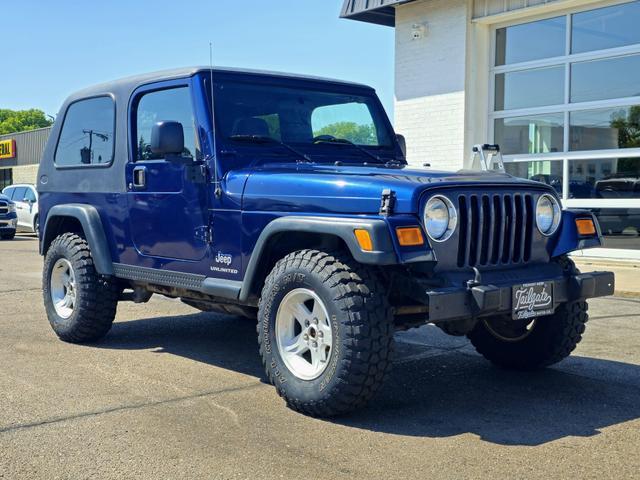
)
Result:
{"points": [[388, 202]]}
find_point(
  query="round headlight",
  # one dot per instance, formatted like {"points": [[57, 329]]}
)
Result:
{"points": [[440, 218], [547, 215]]}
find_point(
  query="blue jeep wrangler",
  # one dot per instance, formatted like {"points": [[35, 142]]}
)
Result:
{"points": [[8, 218], [288, 199]]}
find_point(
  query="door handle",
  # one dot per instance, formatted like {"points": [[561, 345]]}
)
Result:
{"points": [[139, 178]]}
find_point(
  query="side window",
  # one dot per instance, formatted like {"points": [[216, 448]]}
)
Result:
{"points": [[19, 194], [29, 195], [87, 136], [348, 121], [164, 105]]}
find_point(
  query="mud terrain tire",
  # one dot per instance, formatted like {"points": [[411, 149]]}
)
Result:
{"points": [[361, 326]]}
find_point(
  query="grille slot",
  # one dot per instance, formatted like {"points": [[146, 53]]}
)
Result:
{"points": [[495, 228], [4, 208]]}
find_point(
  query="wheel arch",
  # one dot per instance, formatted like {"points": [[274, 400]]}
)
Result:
{"points": [[85, 221], [328, 233]]}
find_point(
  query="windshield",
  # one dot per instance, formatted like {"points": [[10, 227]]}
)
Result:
{"points": [[307, 118]]}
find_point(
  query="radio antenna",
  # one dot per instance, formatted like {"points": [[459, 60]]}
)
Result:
{"points": [[216, 183]]}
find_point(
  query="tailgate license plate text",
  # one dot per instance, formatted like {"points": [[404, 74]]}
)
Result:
{"points": [[532, 300]]}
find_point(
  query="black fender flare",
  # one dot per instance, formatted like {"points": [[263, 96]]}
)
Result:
{"points": [[91, 223], [383, 252]]}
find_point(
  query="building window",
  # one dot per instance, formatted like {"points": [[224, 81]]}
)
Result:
{"points": [[87, 134], [566, 110], [6, 178]]}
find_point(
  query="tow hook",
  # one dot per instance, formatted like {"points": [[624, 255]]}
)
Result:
{"points": [[477, 280]]}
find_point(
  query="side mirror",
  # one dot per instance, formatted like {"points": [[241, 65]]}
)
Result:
{"points": [[403, 144], [167, 138]]}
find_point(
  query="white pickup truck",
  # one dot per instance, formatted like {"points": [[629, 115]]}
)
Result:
{"points": [[25, 197]]}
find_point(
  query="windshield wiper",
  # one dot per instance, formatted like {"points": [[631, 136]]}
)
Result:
{"points": [[265, 139], [343, 141]]}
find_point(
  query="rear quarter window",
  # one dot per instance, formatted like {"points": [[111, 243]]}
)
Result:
{"points": [[87, 135]]}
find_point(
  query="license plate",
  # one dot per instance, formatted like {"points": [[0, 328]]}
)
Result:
{"points": [[531, 300]]}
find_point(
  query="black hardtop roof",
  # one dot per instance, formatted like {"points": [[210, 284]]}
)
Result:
{"points": [[133, 82]]}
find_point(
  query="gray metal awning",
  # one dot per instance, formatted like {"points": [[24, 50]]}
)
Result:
{"points": [[381, 12]]}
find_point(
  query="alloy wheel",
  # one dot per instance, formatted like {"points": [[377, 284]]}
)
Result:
{"points": [[63, 288], [303, 334]]}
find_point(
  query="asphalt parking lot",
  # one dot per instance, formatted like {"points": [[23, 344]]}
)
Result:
{"points": [[173, 393]]}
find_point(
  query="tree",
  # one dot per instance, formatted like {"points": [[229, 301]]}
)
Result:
{"points": [[12, 121], [628, 126], [358, 134]]}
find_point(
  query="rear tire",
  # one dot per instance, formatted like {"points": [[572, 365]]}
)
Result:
{"points": [[342, 310], [80, 303]]}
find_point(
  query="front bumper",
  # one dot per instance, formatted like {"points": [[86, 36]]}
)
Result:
{"points": [[456, 303], [8, 224]]}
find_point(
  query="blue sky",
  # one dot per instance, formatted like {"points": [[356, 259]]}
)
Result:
{"points": [[52, 48]]}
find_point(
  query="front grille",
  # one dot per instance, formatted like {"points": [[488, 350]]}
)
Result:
{"points": [[495, 228], [4, 208]]}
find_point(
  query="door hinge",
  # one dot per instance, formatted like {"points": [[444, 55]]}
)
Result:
{"points": [[388, 202], [196, 173], [204, 234]]}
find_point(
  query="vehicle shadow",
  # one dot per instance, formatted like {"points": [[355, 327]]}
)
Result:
{"points": [[447, 392], [22, 237]]}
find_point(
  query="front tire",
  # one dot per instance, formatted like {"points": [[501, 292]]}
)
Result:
{"points": [[541, 343], [325, 331], [80, 304], [545, 341], [8, 236]]}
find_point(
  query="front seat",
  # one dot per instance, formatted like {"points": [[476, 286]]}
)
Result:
{"points": [[251, 126]]}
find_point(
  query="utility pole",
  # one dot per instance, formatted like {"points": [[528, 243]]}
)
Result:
{"points": [[85, 153]]}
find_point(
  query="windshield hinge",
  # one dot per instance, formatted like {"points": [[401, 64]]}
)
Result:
{"points": [[204, 234], [388, 202]]}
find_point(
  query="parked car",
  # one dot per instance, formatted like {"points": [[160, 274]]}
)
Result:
{"points": [[25, 197], [289, 199], [8, 218], [619, 186]]}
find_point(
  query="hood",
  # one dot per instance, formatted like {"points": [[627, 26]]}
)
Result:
{"points": [[357, 189]]}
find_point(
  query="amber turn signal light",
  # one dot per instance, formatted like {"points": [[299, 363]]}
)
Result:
{"points": [[409, 236], [364, 239], [585, 226]]}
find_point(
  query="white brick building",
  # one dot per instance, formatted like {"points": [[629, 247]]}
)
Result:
{"points": [[555, 82]]}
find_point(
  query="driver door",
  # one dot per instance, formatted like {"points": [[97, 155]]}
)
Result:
{"points": [[168, 209]]}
